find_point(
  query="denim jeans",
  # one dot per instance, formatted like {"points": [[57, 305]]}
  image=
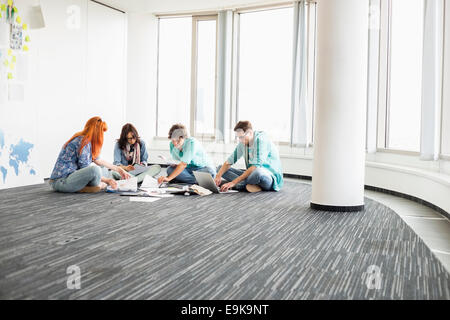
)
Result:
{"points": [[259, 176], [77, 180], [187, 176]]}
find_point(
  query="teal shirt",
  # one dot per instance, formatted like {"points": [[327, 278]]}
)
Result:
{"points": [[263, 154], [191, 153]]}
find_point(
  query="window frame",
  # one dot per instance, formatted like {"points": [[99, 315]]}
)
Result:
{"points": [[445, 86], [235, 65], [159, 135], [194, 64], [384, 82], [193, 80], [236, 56]]}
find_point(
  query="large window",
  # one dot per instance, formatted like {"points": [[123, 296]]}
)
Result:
{"points": [[186, 74], [205, 71], [265, 71], [257, 80], [405, 75], [174, 73], [445, 145]]}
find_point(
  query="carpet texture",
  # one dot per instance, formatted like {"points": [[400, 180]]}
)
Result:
{"points": [[267, 245]]}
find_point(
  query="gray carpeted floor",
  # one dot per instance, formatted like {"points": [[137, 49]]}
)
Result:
{"points": [[229, 246]]}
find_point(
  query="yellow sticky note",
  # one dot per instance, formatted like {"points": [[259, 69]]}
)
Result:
{"points": [[9, 2], [11, 66], [14, 59], [6, 63], [19, 20], [24, 26], [10, 76], [9, 52], [3, 7], [27, 39], [25, 48]]}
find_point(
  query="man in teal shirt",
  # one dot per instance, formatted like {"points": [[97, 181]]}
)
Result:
{"points": [[262, 161], [191, 155]]}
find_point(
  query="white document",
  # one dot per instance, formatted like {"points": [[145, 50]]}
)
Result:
{"points": [[168, 161], [143, 199], [149, 182], [162, 195], [126, 185], [158, 195], [163, 190]]}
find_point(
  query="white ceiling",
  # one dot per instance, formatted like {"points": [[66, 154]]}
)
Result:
{"points": [[162, 6]]}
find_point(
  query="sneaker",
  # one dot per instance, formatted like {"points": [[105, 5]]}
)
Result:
{"points": [[253, 188]]}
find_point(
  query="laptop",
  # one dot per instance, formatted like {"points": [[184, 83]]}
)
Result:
{"points": [[206, 181]]}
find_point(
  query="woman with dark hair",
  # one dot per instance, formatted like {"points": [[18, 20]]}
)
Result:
{"points": [[131, 150]]}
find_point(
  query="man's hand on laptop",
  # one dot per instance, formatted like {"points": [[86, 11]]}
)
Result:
{"points": [[218, 180], [227, 186]]}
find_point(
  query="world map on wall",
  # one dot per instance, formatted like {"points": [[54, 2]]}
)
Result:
{"points": [[14, 158]]}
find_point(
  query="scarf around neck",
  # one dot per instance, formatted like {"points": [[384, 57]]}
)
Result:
{"points": [[133, 153]]}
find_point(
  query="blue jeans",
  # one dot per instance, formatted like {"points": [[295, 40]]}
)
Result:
{"points": [[77, 180], [259, 176], [187, 176]]}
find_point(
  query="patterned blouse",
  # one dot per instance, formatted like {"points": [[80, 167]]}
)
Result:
{"points": [[69, 159]]}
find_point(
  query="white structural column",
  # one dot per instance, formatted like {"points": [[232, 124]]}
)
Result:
{"points": [[341, 100]]}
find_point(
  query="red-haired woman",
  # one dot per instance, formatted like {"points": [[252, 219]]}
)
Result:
{"points": [[74, 169]]}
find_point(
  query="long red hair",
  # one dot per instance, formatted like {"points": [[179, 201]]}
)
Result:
{"points": [[93, 133]]}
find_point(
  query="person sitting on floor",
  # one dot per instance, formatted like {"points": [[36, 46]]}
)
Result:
{"points": [[77, 167], [191, 155], [262, 162], [129, 150]]}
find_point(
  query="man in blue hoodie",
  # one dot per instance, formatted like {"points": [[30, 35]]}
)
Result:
{"points": [[262, 161]]}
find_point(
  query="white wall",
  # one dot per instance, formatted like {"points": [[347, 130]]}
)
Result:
{"points": [[18, 119], [77, 70], [106, 71], [142, 73], [81, 74]]}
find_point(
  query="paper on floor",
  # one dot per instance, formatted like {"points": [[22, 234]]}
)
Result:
{"points": [[126, 185], [149, 182], [143, 199]]}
